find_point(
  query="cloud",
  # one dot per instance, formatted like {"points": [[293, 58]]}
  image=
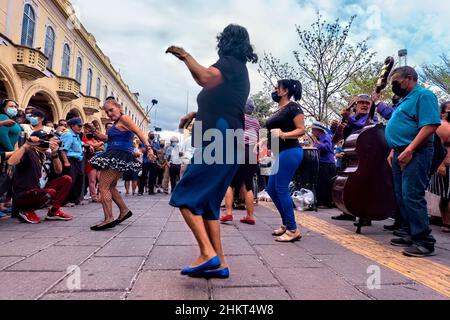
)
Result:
{"points": [[135, 34]]}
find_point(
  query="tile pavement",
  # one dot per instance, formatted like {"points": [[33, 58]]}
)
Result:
{"points": [[141, 259]]}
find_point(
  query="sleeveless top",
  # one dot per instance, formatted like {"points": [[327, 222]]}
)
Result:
{"points": [[120, 140]]}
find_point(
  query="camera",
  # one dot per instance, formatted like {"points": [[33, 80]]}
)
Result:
{"points": [[46, 144]]}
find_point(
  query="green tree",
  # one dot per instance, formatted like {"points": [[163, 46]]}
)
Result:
{"points": [[326, 63], [438, 74], [264, 106]]}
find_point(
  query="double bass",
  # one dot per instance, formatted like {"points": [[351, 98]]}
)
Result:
{"points": [[365, 187]]}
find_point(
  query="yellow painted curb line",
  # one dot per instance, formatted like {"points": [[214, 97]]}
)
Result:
{"points": [[431, 274]]}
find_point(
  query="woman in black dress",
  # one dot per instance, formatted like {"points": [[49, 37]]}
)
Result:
{"points": [[199, 193]]}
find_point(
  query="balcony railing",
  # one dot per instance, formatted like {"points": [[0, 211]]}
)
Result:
{"points": [[68, 89], [30, 63], [91, 105]]}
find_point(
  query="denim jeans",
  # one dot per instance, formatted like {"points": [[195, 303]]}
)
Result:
{"points": [[410, 185], [278, 188]]}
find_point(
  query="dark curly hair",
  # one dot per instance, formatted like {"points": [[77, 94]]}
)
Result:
{"points": [[235, 41]]}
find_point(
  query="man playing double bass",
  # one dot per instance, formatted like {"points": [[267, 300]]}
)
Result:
{"points": [[355, 122], [409, 134]]}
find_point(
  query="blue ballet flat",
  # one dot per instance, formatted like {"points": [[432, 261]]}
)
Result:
{"points": [[213, 274], [214, 263]]}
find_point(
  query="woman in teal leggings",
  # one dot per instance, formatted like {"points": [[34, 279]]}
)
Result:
{"points": [[285, 127]]}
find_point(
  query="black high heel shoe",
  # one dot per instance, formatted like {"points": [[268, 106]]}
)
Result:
{"points": [[127, 216], [104, 227]]}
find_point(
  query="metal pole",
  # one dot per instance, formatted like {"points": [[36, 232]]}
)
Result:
{"points": [[187, 103]]}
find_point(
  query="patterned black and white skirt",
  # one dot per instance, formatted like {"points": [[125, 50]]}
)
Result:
{"points": [[440, 186], [116, 160]]}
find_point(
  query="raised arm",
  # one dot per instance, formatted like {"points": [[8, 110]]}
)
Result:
{"points": [[17, 155], [205, 77]]}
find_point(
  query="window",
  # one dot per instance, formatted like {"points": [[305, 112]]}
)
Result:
{"points": [[49, 46], [65, 70], [89, 83], [79, 69], [28, 25], [106, 92], [99, 84]]}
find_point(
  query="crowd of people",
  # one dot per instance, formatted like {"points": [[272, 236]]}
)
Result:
{"points": [[52, 166]]}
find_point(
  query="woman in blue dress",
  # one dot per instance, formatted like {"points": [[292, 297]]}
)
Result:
{"points": [[116, 160], [199, 193]]}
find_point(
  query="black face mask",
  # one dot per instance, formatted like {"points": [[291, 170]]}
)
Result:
{"points": [[275, 97], [448, 116], [89, 135], [398, 90], [395, 101]]}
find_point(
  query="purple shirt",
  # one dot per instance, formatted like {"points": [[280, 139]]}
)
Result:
{"points": [[356, 123], [326, 149], [385, 111]]}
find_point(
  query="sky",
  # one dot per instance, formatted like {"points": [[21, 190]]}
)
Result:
{"points": [[136, 33]]}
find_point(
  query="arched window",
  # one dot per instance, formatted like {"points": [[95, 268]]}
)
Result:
{"points": [[28, 25], [49, 46], [99, 84], [79, 72], [65, 70], [89, 83], [106, 92]]}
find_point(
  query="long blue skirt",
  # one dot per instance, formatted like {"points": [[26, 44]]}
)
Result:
{"points": [[204, 184]]}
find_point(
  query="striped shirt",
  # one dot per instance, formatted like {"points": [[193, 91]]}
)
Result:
{"points": [[252, 127]]}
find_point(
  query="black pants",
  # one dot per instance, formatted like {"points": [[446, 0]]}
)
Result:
{"points": [[160, 176], [144, 177], [327, 171], [174, 173], [76, 173], [152, 175]]}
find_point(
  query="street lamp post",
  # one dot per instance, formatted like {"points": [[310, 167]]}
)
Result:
{"points": [[154, 103]]}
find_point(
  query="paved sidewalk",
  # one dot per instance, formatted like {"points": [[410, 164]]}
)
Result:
{"points": [[142, 259]]}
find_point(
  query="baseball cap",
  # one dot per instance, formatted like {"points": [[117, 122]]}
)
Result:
{"points": [[75, 122]]}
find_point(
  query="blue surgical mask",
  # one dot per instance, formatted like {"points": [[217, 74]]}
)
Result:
{"points": [[33, 120], [11, 112]]}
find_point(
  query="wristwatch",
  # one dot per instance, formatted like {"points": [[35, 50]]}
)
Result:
{"points": [[55, 156]]}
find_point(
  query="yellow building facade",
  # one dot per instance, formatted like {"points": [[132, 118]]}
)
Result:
{"points": [[49, 61]]}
